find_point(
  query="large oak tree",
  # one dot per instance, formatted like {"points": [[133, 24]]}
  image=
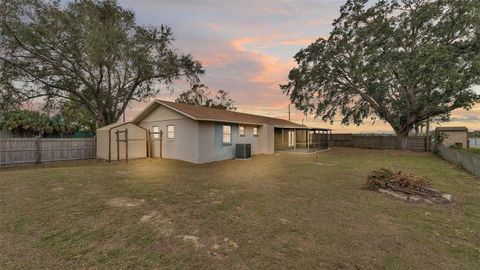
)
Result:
{"points": [[402, 61], [87, 52]]}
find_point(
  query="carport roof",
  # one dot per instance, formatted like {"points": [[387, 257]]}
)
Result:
{"points": [[216, 115]]}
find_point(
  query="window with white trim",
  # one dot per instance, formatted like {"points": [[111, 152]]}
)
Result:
{"points": [[227, 134], [156, 132], [170, 132], [241, 131], [255, 131]]}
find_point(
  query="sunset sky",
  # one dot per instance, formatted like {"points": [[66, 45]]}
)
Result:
{"points": [[247, 47]]}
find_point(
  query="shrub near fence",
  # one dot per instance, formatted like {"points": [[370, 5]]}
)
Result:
{"points": [[415, 143], [469, 161], [19, 151]]}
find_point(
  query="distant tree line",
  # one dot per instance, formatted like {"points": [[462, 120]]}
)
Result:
{"points": [[37, 123]]}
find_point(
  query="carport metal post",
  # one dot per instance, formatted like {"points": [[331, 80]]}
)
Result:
{"points": [[330, 143], [307, 139], [295, 140]]}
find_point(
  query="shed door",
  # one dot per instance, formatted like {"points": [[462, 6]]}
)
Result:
{"points": [[156, 141]]}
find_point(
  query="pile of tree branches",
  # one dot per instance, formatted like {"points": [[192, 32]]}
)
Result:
{"points": [[401, 182]]}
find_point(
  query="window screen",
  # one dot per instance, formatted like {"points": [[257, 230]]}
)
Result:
{"points": [[227, 134], [170, 132], [291, 138], [241, 131]]}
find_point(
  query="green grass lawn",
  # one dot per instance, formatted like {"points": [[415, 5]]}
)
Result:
{"points": [[279, 211], [476, 151]]}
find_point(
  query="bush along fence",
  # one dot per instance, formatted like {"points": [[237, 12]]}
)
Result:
{"points": [[21, 151], [469, 161], [415, 143]]}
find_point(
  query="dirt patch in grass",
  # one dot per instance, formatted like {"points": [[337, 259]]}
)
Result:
{"points": [[125, 202], [325, 164], [193, 239], [159, 223]]}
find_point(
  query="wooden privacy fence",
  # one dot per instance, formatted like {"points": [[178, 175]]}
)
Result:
{"points": [[18, 151], [341, 140], [415, 143]]}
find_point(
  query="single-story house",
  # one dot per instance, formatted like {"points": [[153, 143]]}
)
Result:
{"points": [[449, 136], [200, 134]]}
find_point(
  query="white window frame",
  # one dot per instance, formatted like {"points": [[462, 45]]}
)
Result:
{"points": [[170, 133], [241, 131], [227, 134], [156, 129], [255, 131]]}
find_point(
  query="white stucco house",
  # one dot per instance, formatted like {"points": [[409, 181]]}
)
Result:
{"points": [[199, 134]]}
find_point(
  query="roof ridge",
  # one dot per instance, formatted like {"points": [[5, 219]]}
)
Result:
{"points": [[223, 111]]}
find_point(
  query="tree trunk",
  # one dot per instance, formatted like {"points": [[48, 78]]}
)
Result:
{"points": [[402, 137]]}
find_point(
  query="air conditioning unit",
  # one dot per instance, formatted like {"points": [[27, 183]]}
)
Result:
{"points": [[244, 151]]}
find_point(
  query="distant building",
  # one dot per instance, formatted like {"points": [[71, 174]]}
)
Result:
{"points": [[448, 136], [474, 142], [474, 139]]}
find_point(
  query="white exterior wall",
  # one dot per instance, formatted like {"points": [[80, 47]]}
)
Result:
{"points": [[195, 141], [206, 142], [184, 145], [266, 139]]}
